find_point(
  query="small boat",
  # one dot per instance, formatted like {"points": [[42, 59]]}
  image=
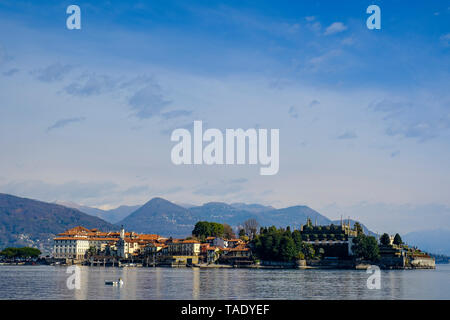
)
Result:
{"points": [[117, 283]]}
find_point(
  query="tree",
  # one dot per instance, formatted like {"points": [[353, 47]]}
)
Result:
{"points": [[288, 250], [398, 240], [308, 250], [385, 239], [204, 229], [250, 227], [366, 247], [358, 228], [91, 252], [201, 230], [241, 233], [228, 232], [24, 252]]}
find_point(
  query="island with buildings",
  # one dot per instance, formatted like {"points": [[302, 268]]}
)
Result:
{"points": [[212, 246]]}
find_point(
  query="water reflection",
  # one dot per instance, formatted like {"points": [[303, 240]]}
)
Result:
{"points": [[46, 282]]}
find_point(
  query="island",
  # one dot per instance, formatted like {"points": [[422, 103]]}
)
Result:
{"points": [[215, 245]]}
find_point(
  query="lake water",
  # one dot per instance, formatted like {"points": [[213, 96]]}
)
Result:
{"points": [[49, 282]]}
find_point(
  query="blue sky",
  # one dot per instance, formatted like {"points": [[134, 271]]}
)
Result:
{"points": [[364, 115]]}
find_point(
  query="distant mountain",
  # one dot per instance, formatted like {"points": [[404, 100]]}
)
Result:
{"points": [[432, 241], [112, 216], [161, 217], [166, 218], [222, 212], [119, 213], [254, 207], [26, 222]]}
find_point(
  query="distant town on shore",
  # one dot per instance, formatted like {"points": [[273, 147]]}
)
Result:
{"points": [[162, 233], [215, 245]]}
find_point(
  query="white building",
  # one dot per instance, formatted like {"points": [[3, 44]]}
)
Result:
{"points": [[70, 248]]}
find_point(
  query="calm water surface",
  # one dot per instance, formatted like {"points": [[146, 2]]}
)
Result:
{"points": [[49, 282]]}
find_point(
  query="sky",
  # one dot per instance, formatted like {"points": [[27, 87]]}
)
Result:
{"points": [[364, 115]]}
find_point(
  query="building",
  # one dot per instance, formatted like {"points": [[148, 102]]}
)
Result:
{"points": [[75, 243], [240, 255], [334, 240], [70, 247], [183, 247]]}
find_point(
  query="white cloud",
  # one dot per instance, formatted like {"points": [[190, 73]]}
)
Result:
{"points": [[445, 39], [335, 27]]}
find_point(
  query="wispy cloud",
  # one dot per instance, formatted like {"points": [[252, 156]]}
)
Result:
{"points": [[445, 40], [52, 73], [293, 112], [4, 56], [176, 114], [73, 190], [10, 72], [314, 103], [347, 135], [221, 188], [148, 102], [334, 28], [419, 120], [92, 84], [64, 122]]}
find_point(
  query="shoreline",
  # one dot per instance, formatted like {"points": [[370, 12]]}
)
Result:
{"points": [[360, 267]]}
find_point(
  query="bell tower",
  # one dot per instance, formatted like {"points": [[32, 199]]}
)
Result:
{"points": [[122, 233]]}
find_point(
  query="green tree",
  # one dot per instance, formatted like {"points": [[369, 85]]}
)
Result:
{"points": [[204, 229], [385, 239], [366, 247], [398, 240], [24, 252], [308, 250], [91, 251], [288, 250], [358, 228], [277, 244]]}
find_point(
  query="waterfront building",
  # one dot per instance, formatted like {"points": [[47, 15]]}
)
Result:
{"points": [[70, 247], [335, 240], [74, 243]]}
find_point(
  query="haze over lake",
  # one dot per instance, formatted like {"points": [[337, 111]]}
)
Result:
{"points": [[49, 282]]}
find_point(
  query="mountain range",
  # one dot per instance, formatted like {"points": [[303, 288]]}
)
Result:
{"points": [[112, 215], [436, 241], [30, 222], [27, 222]]}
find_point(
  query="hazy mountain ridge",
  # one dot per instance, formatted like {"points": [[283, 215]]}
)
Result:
{"points": [[435, 241], [161, 217], [111, 216], [34, 223], [27, 222], [168, 219]]}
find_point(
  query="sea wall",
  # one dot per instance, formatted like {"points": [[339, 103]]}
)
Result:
{"points": [[423, 263], [392, 262]]}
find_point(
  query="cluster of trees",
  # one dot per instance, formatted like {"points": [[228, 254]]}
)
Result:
{"points": [[24, 252], [386, 240], [204, 229], [366, 247], [281, 245]]}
